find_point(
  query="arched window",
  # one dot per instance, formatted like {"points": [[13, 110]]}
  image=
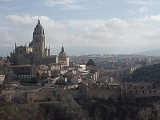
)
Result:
{"points": [[20, 51]]}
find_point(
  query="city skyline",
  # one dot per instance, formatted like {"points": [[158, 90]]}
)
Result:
{"points": [[84, 27]]}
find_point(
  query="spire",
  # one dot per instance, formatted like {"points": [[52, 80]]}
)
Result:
{"points": [[15, 44], [62, 49], [49, 51], [38, 21]]}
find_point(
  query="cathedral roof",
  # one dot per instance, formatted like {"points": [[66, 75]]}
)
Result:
{"points": [[51, 56]]}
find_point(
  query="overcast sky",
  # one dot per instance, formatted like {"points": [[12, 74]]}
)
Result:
{"points": [[83, 26]]}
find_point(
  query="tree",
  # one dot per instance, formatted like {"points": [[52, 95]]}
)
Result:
{"points": [[90, 62]]}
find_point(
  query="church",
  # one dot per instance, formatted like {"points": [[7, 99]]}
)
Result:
{"points": [[36, 53]]}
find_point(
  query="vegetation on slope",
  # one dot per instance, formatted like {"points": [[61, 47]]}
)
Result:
{"points": [[100, 109], [147, 74]]}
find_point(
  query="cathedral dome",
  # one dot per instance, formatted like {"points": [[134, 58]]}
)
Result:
{"points": [[39, 24]]}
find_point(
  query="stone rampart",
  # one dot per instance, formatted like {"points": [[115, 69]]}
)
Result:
{"points": [[127, 91]]}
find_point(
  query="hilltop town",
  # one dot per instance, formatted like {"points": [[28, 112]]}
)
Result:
{"points": [[31, 73]]}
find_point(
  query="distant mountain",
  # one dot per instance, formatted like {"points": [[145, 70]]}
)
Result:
{"points": [[151, 52]]}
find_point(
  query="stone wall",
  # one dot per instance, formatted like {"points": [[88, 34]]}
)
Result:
{"points": [[58, 94], [76, 94], [41, 96], [103, 93]]}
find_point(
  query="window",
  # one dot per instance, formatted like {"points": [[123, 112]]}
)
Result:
{"points": [[58, 95], [30, 98], [143, 91]]}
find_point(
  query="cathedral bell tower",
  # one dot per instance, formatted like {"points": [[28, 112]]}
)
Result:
{"points": [[38, 43]]}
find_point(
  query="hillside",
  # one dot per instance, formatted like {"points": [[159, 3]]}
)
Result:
{"points": [[155, 52], [146, 74], [100, 109]]}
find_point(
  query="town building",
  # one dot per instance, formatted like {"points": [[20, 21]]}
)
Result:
{"points": [[22, 72]]}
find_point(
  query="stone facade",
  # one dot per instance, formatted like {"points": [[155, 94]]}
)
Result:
{"points": [[134, 90], [36, 53], [22, 72]]}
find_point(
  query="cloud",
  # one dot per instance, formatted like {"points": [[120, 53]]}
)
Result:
{"points": [[67, 4], [139, 2], [73, 7], [149, 18], [86, 35], [143, 9], [5, 0], [6, 37], [131, 12], [153, 17], [113, 33], [19, 19], [27, 19], [51, 3]]}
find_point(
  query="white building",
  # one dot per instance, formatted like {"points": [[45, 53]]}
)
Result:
{"points": [[2, 77]]}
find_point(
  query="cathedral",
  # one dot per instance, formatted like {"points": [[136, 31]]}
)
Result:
{"points": [[36, 53]]}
